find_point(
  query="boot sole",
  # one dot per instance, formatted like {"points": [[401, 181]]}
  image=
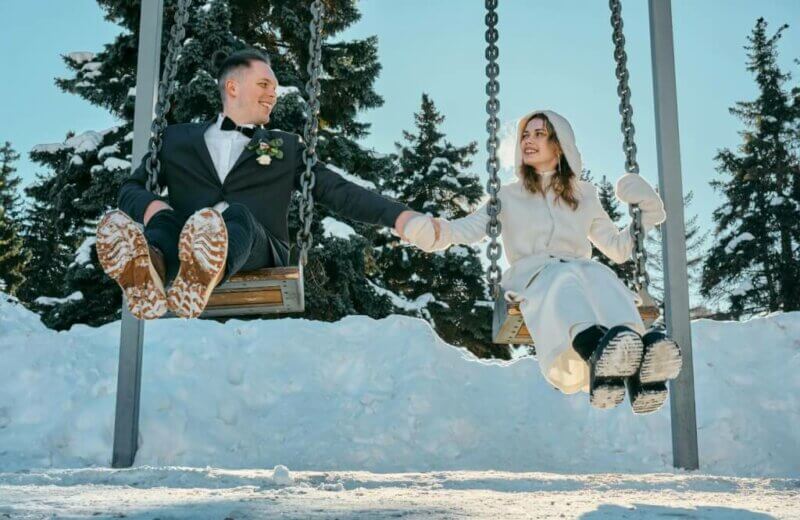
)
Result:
{"points": [[123, 253], [202, 250], [662, 361], [621, 357], [648, 398], [607, 394]]}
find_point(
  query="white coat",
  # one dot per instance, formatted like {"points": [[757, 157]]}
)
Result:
{"points": [[548, 246]]}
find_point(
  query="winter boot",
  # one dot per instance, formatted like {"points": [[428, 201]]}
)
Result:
{"points": [[606, 351], [661, 362], [202, 250], [138, 268]]}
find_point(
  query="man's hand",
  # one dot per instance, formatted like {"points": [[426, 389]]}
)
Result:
{"points": [[153, 208], [402, 220], [404, 217]]}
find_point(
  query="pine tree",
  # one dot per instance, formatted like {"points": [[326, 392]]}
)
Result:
{"points": [[754, 263], [448, 287], [13, 257], [695, 255], [610, 203], [89, 182]]}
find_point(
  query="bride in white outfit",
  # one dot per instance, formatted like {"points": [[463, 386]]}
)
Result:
{"points": [[587, 330]]}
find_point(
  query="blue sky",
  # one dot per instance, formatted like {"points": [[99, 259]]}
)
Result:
{"points": [[555, 55]]}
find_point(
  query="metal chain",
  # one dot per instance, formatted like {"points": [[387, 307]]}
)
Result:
{"points": [[308, 179], [640, 278], [493, 227], [166, 88]]}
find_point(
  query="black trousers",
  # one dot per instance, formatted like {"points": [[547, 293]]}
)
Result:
{"points": [[250, 245]]}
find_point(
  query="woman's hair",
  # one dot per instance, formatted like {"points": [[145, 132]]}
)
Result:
{"points": [[562, 183]]}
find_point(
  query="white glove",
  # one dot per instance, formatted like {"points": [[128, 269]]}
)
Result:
{"points": [[633, 189], [419, 231]]}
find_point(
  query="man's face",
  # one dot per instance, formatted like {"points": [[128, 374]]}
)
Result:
{"points": [[253, 92]]}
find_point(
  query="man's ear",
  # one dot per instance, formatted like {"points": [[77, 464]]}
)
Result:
{"points": [[231, 87]]}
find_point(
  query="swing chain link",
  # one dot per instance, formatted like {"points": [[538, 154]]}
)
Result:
{"points": [[493, 227], [310, 132], [641, 279], [166, 88]]}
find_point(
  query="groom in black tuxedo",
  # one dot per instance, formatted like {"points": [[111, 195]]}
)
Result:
{"points": [[229, 185]]}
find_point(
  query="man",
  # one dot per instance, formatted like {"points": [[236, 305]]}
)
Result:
{"points": [[229, 186]]}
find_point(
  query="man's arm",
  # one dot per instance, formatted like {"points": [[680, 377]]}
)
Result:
{"points": [[134, 198]]}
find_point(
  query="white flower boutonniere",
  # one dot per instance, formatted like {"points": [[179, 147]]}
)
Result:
{"points": [[267, 150]]}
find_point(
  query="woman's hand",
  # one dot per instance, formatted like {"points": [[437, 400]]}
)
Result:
{"points": [[633, 189]]}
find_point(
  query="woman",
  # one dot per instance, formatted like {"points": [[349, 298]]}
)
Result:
{"points": [[588, 332]]}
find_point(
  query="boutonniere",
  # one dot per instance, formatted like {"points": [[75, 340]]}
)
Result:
{"points": [[266, 150]]}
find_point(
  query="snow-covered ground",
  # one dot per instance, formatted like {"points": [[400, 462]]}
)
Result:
{"points": [[442, 434]]}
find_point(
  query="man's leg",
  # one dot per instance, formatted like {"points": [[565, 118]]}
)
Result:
{"points": [[163, 232], [250, 246]]}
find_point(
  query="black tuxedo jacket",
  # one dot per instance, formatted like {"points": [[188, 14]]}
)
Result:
{"points": [[188, 173]]}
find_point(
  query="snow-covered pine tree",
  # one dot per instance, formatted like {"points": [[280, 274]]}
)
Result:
{"points": [[13, 256], [338, 268], [448, 288], [754, 263]]}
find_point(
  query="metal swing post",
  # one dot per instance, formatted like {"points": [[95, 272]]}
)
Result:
{"points": [[676, 285], [129, 376]]}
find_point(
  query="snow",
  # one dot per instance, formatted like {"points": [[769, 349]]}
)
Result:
{"points": [[84, 252], [742, 288], [85, 142], [377, 419], [403, 302], [744, 237], [107, 150], [81, 57], [287, 91], [49, 148], [76, 160], [336, 228], [113, 163], [146, 493], [47, 300], [351, 178]]}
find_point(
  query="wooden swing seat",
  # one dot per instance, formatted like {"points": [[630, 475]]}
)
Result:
{"points": [[509, 326], [271, 290]]}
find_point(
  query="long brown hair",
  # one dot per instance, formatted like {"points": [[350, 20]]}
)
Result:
{"points": [[562, 183]]}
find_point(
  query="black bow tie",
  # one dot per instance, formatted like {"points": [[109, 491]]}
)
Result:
{"points": [[228, 124]]}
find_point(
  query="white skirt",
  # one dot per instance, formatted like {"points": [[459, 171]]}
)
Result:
{"points": [[564, 299]]}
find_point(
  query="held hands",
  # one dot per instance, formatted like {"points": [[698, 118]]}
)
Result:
{"points": [[633, 189], [423, 231]]}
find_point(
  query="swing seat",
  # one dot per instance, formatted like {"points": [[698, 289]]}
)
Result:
{"points": [[508, 326], [271, 290]]}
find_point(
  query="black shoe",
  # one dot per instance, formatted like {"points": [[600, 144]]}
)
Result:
{"points": [[617, 356]]}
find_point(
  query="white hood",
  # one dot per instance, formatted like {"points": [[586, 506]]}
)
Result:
{"points": [[565, 135]]}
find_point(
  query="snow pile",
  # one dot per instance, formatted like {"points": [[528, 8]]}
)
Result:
{"points": [[379, 395]]}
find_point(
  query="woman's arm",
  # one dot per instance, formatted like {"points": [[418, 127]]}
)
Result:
{"points": [[431, 234]]}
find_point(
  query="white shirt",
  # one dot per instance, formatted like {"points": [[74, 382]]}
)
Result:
{"points": [[225, 147]]}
